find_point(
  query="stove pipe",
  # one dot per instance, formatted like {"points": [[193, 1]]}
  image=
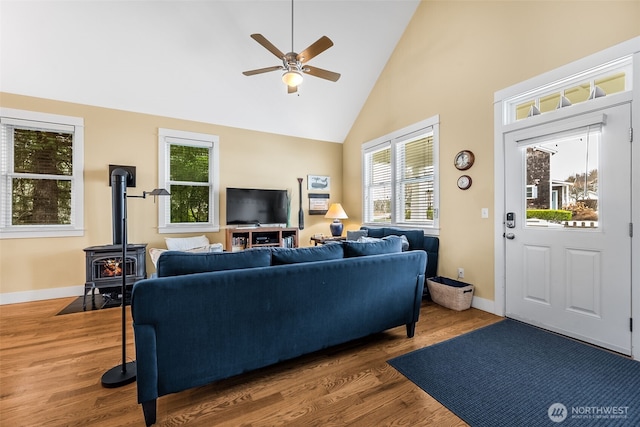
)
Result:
{"points": [[119, 204]]}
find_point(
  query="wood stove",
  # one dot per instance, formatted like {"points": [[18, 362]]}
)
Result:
{"points": [[104, 269]]}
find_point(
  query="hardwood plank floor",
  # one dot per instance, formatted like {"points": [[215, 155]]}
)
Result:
{"points": [[50, 370]]}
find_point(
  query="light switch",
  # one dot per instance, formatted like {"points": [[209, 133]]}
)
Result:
{"points": [[485, 213]]}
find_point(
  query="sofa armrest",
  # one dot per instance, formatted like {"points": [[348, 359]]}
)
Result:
{"points": [[429, 244], [431, 247]]}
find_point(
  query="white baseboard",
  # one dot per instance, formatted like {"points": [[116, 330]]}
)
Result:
{"points": [[74, 291], [39, 295], [483, 304]]}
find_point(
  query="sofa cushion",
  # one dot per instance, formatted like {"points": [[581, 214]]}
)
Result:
{"points": [[415, 237], [174, 263], [375, 232], [376, 247], [281, 256]]}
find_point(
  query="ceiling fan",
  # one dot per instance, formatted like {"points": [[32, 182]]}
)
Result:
{"points": [[294, 64]]}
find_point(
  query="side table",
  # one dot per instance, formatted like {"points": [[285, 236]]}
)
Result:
{"points": [[321, 240]]}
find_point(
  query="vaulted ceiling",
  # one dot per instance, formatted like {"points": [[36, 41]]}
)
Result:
{"points": [[185, 59]]}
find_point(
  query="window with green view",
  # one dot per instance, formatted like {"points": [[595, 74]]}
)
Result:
{"points": [[41, 180], [190, 174]]}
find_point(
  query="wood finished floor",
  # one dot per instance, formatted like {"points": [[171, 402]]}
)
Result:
{"points": [[50, 370]]}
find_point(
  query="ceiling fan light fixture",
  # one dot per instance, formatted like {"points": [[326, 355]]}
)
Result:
{"points": [[292, 78]]}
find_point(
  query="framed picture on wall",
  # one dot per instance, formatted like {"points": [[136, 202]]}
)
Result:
{"points": [[318, 182], [318, 204]]}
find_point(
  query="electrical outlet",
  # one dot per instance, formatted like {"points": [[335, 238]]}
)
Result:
{"points": [[460, 273]]}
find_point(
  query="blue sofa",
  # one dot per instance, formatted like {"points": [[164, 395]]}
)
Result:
{"points": [[417, 241], [210, 316]]}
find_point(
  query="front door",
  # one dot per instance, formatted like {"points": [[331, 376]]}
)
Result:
{"points": [[567, 231]]}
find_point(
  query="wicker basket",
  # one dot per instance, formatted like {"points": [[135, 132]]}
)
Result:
{"points": [[450, 293]]}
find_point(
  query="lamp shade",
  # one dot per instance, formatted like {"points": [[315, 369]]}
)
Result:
{"points": [[292, 78], [336, 212], [159, 192]]}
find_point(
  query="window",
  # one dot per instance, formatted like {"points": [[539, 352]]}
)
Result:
{"points": [[400, 179], [607, 79], [41, 179], [189, 170], [532, 191]]}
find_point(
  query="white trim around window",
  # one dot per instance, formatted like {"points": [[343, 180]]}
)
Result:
{"points": [[393, 182], [12, 118], [167, 137]]}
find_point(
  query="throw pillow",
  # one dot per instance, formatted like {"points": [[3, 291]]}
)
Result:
{"points": [[186, 243], [356, 234], [172, 263], [281, 256], [405, 241], [415, 237], [387, 246]]}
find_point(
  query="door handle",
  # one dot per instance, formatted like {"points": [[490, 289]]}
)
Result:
{"points": [[510, 236]]}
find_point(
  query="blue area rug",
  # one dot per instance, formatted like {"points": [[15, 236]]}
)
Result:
{"points": [[512, 374]]}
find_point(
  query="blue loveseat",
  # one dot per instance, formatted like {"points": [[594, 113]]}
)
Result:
{"points": [[209, 316]]}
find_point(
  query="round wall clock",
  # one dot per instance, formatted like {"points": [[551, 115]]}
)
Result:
{"points": [[464, 160], [464, 182]]}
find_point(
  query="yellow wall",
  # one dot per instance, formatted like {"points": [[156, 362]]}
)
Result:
{"points": [[451, 60], [248, 159]]}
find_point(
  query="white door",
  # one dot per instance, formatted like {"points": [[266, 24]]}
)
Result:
{"points": [[571, 276]]}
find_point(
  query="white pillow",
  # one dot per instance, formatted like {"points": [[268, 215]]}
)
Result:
{"points": [[405, 241], [186, 243], [155, 253]]}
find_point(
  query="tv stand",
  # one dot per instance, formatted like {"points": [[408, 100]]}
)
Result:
{"points": [[240, 238]]}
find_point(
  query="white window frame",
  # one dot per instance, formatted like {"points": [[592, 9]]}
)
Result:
{"points": [[45, 122], [394, 140], [532, 191], [166, 137]]}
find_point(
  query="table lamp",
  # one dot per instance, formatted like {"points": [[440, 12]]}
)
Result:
{"points": [[336, 213]]}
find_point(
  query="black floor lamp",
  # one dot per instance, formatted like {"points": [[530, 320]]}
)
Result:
{"points": [[124, 373]]}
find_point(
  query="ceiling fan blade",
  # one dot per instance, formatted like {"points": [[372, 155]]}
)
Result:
{"points": [[322, 44], [292, 89], [323, 74], [261, 70], [267, 45]]}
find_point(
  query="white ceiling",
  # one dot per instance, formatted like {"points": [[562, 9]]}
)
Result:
{"points": [[184, 59]]}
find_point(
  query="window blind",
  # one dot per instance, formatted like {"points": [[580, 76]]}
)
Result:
{"points": [[415, 180]]}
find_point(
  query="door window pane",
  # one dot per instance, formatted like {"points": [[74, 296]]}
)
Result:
{"points": [[549, 102], [564, 173]]}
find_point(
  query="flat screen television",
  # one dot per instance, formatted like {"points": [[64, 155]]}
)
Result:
{"points": [[252, 206]]}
